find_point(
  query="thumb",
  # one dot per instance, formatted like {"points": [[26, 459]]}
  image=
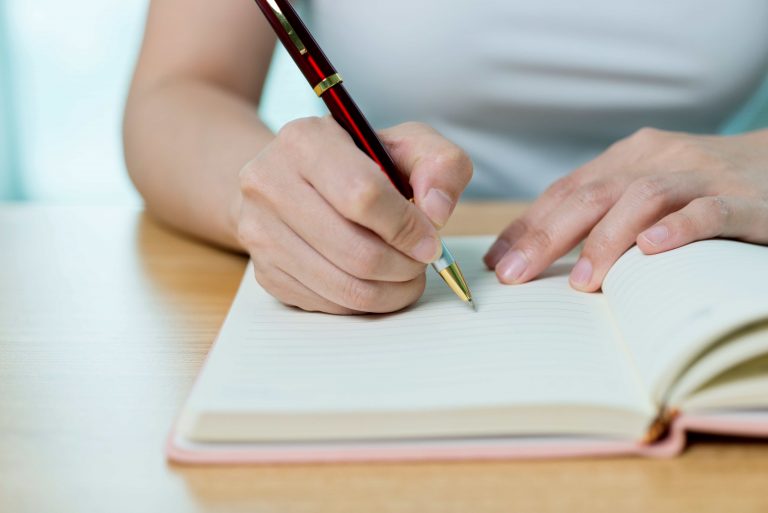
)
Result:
{"points": [[438, 170]]}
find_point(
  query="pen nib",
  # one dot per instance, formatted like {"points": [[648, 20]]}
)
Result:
{"points": [[472, 304]]}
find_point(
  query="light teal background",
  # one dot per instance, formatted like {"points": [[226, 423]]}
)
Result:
{"points": [[64, 73], [10, 183], [65, 68], [753, 115]]}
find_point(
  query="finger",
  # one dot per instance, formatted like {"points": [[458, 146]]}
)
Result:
{"points": [[354, 249], [705, 218], [558, 232], [438, 169], [289, 291], [644, 202], [272, 243], [309, 267], [356, 188], [554, 195], [599, 170]]}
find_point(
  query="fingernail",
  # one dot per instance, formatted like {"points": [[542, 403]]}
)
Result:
{"points": [[582, 272], [438, 206], [499, 248], [512, 266], [656, 235], [427, 250]]}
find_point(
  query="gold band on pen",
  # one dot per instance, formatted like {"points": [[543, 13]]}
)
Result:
{"points": [[327, 83]]}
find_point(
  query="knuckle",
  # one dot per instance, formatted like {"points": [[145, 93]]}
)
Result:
{"points": [[539, 239], [686, 224], [516, 229], [359, 295], [562, 187], [520, 225], [397, 138], [594, 195], [721, 210], [294, 134], [650, 189], [455, 160], [647, 135], [363, 193], [722, 206], [708, 215], [600, 242], [365, 260], [414, 126], [300, 127], [250, 179], [407, 231]]}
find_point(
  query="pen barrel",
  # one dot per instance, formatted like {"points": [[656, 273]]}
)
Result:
{"points": [[327, 83], [348, 115], [316, 68], [297, 40]]}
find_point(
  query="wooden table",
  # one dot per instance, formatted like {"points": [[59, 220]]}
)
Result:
{"points": [[105, 318]]}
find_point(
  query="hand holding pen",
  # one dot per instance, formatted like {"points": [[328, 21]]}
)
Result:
{"points": [[370, 190], [324, 226]]}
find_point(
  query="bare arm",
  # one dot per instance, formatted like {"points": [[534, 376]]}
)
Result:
{"points": [[191, 120], [325, 228]]}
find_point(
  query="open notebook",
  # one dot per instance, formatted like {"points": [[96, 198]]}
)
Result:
{"points": [[676, 342]]}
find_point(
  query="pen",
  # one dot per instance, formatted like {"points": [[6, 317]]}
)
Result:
{"points": [[327, 84]]}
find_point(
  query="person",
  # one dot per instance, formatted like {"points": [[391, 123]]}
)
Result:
{"points": [[607, 111]]}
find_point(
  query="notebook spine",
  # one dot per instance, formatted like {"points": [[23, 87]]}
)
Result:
{"points": [[661, 425]]}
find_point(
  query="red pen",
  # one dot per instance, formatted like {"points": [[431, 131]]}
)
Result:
{"points": [[327, 84]]}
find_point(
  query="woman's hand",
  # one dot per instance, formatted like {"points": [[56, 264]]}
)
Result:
{"points": [[326, 229], [660, 190]]}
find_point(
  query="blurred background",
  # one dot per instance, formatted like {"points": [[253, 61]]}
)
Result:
{"points": [[64, 74], [65, 68]]}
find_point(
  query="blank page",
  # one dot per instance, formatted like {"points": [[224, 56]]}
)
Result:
{"points": [[536, 344], [673, 305]]}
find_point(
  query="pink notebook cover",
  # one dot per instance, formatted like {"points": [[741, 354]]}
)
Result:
{"points": [[178, 450], [749, 425]]}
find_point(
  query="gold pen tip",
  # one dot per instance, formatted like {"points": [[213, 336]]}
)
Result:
{"points": [[472, 304]]}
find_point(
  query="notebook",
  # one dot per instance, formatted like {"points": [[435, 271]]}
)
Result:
{"points": [[676, 342]]}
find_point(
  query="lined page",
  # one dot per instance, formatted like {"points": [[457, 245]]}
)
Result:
{"points": [[672, 305], [536, 344]]}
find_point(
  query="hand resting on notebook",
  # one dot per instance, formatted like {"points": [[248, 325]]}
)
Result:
{"points": [[325, 228], [658, 189]]}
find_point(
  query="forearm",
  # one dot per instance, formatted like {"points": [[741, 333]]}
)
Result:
{"points": [[185, 143]]}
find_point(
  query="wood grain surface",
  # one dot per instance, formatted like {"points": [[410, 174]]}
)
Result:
{"points": [[105, 319]]}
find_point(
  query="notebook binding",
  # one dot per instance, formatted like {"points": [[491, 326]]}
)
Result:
{"points": [[661, 425]]}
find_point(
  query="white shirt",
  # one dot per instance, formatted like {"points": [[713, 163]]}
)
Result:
{"points": [[533, 89]]}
